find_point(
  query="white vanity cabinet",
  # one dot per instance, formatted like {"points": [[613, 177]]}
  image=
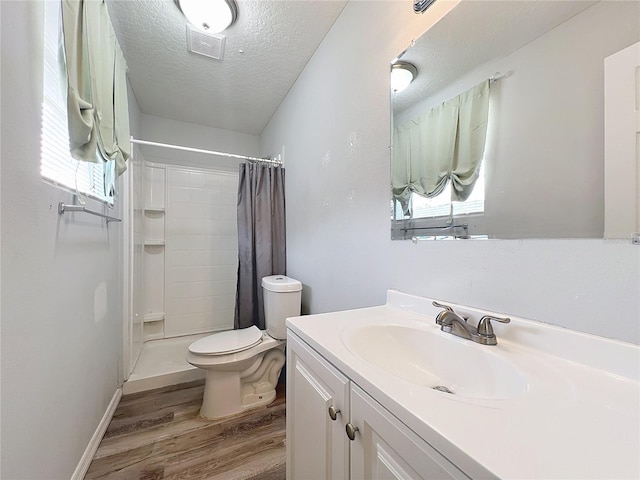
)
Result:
{"points": [[385, 449], [383, 366], [319, 447]]}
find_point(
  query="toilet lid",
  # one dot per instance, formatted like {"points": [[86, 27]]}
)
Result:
{"points": [[230, 341]]}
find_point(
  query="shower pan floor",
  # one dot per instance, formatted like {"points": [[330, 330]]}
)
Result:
{"points": [[162, 363]]}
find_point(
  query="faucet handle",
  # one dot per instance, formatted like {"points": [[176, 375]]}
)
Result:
{"points": [[484, 326], [442, 305], [443, 314]]}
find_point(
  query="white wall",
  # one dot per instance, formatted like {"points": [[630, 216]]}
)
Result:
{"points": [[62, 301], [335, 125], [163, 130], [546, 135]]}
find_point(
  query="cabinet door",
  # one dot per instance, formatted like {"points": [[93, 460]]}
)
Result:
{"points": [[317, 447], [384, 448]]}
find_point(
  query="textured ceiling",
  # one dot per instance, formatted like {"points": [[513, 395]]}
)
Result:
{"points": [[266, 49], [473, 33]]}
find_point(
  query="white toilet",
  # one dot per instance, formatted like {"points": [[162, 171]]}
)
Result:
{"points": [[243, 366]]}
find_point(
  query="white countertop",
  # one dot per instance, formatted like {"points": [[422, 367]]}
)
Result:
{"points": [[578, 417]]}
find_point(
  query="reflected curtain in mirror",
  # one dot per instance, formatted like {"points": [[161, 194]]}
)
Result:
{"points": [[445, 144]]}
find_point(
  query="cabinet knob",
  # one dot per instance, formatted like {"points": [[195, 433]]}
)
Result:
{"points": [[333, 412], [351, 431]]}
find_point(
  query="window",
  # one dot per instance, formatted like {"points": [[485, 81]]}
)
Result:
{"points": [[439, 206], [57, 165]]}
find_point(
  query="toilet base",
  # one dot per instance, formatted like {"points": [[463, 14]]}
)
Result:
{"points": [[229, 392]]}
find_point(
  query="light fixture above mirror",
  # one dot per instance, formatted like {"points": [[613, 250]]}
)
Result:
{"points": [[210, 16], [402, 74]]}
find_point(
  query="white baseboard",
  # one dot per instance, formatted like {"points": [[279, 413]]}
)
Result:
{"points": [[91, 449]]}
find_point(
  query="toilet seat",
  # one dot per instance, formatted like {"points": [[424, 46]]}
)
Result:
{"points": [[231, 341]]}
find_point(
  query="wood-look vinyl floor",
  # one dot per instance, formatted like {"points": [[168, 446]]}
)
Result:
{"points": [[160, 435]]}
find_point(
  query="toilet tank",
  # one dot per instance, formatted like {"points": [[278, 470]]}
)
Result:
{"points": [[282, 298]]}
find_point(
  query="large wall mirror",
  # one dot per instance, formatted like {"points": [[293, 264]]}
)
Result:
{"points": [[535, 70]]}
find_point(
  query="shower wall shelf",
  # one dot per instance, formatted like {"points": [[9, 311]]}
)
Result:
{"points": [[154, 206]]}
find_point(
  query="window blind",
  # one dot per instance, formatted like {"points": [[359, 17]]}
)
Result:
{"points": [[57, 166]]}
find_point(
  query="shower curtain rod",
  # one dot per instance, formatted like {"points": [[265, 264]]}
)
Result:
{"points": [[207, 152]]}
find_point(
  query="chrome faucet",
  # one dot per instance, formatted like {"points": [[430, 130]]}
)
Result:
{"points": [[453, 323]]}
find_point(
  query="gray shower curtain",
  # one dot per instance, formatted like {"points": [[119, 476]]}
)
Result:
{"points": [[261, 238]]}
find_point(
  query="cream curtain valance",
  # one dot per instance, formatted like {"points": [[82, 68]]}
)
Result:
{"points": [[446, 143], [98, 112]]}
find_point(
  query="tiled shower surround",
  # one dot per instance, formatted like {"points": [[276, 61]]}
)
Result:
{"points": [[201, 250], [190, 269]]}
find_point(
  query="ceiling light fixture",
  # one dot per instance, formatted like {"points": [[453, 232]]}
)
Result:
{"points": [[402, 74], [210, 16]]}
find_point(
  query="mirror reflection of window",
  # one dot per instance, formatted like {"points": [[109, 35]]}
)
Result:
{"points": [[543, 157], [438, 155], [442, 206]]}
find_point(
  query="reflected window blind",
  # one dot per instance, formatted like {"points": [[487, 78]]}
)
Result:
{"points": [[57, 166]]}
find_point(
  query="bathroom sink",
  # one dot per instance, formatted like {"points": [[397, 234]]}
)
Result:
{"points": [[437, 360]]}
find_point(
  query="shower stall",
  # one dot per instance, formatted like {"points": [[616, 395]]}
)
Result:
{"points": [[182, 267]]}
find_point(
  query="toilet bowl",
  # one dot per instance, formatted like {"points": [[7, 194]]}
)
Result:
{"points": [[243, 366]]}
